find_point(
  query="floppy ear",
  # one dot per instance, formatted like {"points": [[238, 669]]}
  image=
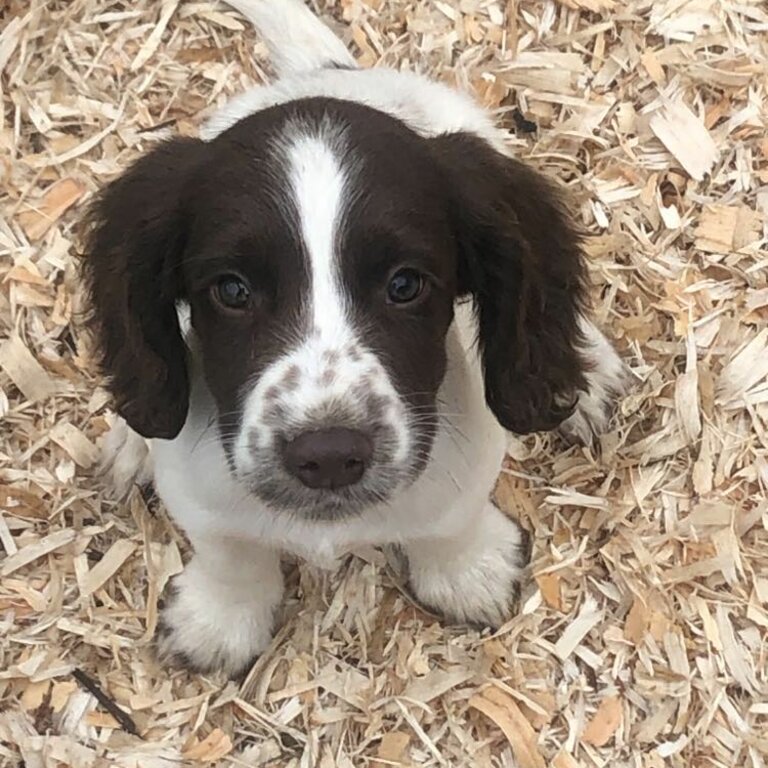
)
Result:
{"points": [[134, 239], [521, 261]]}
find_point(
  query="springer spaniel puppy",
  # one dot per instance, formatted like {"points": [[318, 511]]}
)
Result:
{"points": [[325, 314]]}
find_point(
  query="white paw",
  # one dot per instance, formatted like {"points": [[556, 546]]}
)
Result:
{"points": [[125, 458], [474, 578], [608, 380], [208, 626]]}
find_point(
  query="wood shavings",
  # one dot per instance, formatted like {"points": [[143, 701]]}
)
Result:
{"points": [[24, 371], [595, 6], [167, 7], [641, 633], [75, 443], [734, 653], [504, 712], [36, 550], [604, 723], [213, 747], [114, 558], [727, 228], [549, 584], [42, 215], [586, 620], [687, 393], [685, 136], [436, 683], [747, 368], [115, 714], [392, 749], [564, 760]]}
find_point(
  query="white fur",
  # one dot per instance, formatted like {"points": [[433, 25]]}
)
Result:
{"points": [[205, 499], [474, 576], [297, 40], [301, 47], [426, 107], [221, 610], [465, 556], [607, 380], [319, 182]]}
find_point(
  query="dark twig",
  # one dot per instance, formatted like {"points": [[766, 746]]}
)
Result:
{"points": [[122, 717]]}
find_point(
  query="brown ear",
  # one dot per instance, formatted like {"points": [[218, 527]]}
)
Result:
{"points": [[522, 262], [134, 239]]}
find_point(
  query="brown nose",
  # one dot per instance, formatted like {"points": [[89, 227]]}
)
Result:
{"points": [[328, 458]]}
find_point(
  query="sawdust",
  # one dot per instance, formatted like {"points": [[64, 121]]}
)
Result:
{"points": [[642, 636]]}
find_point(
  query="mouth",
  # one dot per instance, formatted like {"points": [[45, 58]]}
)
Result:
{"points": [[325, 504]]}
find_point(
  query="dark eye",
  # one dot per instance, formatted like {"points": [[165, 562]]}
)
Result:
{"points": [[231, 292], [405, 286]]}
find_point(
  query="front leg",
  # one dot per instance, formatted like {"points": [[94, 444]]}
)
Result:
{"points": [[472, 576], [220, 611]]}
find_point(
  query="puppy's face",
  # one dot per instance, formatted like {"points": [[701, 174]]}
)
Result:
{"points": [[320, 265], [321, 245]]}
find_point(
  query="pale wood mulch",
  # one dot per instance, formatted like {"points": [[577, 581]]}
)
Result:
{"points": [[641, 641]]}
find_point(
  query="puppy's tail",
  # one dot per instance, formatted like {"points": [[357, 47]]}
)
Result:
{"points": [[297, 40]]}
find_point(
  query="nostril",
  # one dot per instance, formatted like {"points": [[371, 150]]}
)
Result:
{"points": [[329, 458]]}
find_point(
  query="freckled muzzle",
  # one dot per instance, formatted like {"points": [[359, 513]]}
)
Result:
{"points": [[326, 433]]}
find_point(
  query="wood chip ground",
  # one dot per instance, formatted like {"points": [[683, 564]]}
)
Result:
{"points": [[642, 636]]}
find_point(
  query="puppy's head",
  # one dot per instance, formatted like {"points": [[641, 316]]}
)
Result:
{"points": [[321, 246]]}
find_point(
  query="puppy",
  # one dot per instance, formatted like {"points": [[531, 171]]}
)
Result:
{"points": [[324, 314]]}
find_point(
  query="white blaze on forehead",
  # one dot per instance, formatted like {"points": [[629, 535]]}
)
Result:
{"points": [[326, 365], [318, 185]]}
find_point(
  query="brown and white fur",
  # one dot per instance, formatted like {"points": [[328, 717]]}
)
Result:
{"points": [[348, 266]]}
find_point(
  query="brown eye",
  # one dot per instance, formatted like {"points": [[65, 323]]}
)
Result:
{"points": [[231, 292], [405, 286]]}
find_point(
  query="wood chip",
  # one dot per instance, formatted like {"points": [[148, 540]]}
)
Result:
{"points": [[549, 584], [727, 228], [83, 452], [587, 619], [685, 136], [504, 712], [24, 371], [58, 198], [436, 683], [114, 559], [213, 747], [38, 549], [392, 749], [604, 723], [564, 760]]}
